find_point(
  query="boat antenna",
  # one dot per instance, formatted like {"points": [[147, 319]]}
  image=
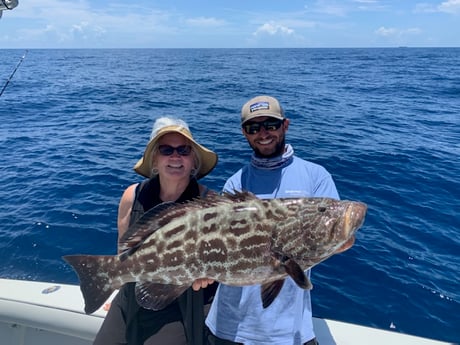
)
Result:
{"points": [[14, 71]]}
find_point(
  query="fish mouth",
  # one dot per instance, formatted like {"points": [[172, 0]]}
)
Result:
{"points": [[354, 218], [347, 245]]}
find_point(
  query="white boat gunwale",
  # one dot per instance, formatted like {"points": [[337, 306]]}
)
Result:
{"points": [[49, 313]]}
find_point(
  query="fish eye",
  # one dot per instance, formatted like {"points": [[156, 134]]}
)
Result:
{"points": [[321, 209]]}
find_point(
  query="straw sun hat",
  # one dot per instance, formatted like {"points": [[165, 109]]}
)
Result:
{"points": [[167, 125]]}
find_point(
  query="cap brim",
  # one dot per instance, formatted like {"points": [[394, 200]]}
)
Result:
{"points": [[279, 117]]}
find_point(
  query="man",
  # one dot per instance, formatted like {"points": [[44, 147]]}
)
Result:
{"points": [[236, 314]]}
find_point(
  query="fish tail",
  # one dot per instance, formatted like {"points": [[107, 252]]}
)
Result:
{"points": [[95, 282]]}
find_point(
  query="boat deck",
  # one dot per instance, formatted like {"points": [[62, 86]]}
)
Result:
{"points": [[41, 313]]}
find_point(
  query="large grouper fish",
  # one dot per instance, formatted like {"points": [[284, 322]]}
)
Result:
{"points": [[235, 239]]}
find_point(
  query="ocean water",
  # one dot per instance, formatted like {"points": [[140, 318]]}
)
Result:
{"points": [[384, 122]]}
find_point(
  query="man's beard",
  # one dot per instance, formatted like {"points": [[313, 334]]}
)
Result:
{"points": [[279, 150]]}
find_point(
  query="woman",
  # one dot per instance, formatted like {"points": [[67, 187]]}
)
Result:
{"points": [[173, 162]]}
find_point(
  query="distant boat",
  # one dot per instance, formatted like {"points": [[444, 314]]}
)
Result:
{"points": [[7, 5], [41, 313]]}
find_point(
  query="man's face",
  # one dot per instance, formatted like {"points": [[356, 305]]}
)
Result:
{"points": [[265, 142]]}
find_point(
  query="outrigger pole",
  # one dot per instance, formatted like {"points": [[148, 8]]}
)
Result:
{"points": [[14, 71]]}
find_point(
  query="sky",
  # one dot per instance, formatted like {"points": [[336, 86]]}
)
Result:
{"points": [[230, 24]]}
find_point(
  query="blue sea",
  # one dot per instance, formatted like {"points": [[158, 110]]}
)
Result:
{"points": [[384, 122]]}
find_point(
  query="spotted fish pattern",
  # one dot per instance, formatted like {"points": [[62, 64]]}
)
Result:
{"points": [[235, 239]]}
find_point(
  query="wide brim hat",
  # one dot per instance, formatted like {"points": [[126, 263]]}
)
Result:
{"points": [[208, 158]]}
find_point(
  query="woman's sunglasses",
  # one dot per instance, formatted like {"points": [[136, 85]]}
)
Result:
{"points": [[168, 150], [269, 125]]}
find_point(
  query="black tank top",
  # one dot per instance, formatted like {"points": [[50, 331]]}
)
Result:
{"points": [[188, 308]]}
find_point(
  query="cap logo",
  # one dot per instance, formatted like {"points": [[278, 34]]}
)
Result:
{"points": [[259, 106]]}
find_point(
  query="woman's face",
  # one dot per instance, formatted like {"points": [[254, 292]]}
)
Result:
{"points": [[175, 165]]}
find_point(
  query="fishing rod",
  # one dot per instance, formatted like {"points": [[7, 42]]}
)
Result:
{"points": [[14, 71]]}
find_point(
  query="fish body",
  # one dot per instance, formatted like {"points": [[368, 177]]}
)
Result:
{"points": [[235, 239]]}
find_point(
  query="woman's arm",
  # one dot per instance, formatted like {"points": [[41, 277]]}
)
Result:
{"points": [[124, 209]]}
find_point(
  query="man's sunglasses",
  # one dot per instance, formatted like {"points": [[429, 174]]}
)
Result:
{"points": [[269, 125], [168, 150]]}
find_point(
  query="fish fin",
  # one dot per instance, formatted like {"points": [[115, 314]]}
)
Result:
{"points": [[136, 234], [269, 291], [158, 296], [164, 213], [296, 273], [159, 216], [95, 284], [239, 196], [130, 251]]}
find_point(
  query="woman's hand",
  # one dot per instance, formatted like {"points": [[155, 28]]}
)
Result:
{"points": [[201, 283]]}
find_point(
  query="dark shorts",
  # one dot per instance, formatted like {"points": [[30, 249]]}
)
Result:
{"points": [[180, 323], [127, 323]]}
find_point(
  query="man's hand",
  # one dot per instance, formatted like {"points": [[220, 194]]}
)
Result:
{"points": [[201, 283]]}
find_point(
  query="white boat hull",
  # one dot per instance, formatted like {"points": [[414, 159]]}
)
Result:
{"points": [[41, 313]]}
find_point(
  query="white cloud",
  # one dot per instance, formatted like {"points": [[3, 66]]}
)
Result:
{"points": [[275, 34], [107, 23], [336, 8], [424, 7], [383, 31], [450, 6], [205, 22], [394, 32], [272, 28], [71, 23], [85, 30], [300, 24], [327, 7]]}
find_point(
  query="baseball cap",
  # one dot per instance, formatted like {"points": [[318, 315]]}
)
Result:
{"points": [[261, 106]]}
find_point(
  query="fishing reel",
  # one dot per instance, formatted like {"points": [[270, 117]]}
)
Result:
{"points": [[7, 5]]}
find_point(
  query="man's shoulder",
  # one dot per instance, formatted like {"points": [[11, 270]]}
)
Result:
{"points": [[237, 174], [234, 182], [297, 161]]}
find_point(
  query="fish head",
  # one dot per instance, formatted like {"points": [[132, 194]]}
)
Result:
{"points": [[324, 227], [351, 220]]}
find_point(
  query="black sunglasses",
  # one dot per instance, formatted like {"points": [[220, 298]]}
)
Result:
{"points": [[269, 125], [168, 150]]}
